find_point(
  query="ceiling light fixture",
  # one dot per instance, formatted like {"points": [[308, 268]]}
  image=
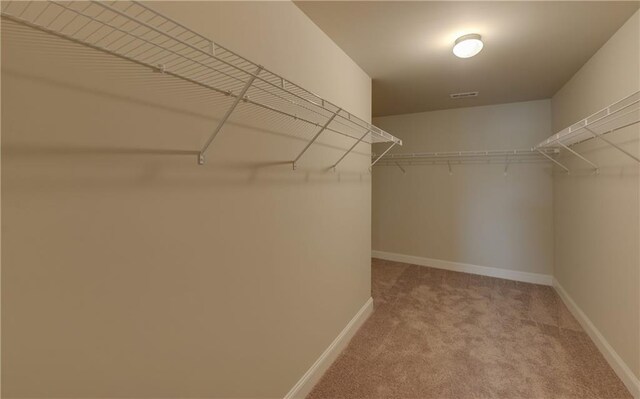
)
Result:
{"points": [[467, 46]]}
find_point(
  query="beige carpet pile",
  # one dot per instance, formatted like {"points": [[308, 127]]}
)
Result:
{"points": [[441, 334]]}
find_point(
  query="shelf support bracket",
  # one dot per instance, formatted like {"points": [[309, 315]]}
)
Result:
{"points": [[506, 164], [595, 167], [227, 114], [449, 166], [401, 168], [350, 149], [383, 154], [553, 160], [322, 129], [613, 145]]}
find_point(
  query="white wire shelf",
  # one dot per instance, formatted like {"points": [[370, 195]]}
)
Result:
{"points": [[618, 115], [621, 114], [460, 155], [133, 31], [450, 158]]}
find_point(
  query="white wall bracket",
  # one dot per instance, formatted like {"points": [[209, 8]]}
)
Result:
{"points": [[227, 114], [596, 169], [554, 161], [313, 139], [350, 149], [383, 154], [617, 147]]}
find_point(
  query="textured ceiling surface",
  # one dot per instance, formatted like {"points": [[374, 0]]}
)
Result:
{"points": [[531, 47]]}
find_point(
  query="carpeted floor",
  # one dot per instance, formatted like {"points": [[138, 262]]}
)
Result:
{"points": [[441, 334]]}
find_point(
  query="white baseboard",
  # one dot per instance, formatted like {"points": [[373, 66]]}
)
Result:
{"points": [[615, 361], [304, 386], [526, 277]]}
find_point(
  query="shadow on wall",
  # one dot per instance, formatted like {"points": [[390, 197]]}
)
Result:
{"points": [[89, 109], [134, 271]]}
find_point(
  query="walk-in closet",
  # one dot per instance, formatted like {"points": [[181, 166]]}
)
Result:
{"points": [[320, 199]]}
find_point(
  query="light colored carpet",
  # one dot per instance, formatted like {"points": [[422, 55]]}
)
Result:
{"points": [[441, 334]]}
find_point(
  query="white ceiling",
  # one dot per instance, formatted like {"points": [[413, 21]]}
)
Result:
{"points": [[531, 47]]}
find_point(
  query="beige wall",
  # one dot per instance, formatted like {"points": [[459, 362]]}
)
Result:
{"points": [[597, 217], [477, 215], [127, 269]]}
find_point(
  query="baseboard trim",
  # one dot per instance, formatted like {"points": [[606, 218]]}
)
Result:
{"points": [[304, 386], [526, 277], [615, 361]]}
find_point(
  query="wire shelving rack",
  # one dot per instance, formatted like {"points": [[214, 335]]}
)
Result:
{"points": [[620, 114], [451, 158], [135, 32]]}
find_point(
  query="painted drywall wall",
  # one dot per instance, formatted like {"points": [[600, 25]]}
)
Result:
{"points": [[477, 215], [597, 219], [130, 271]]}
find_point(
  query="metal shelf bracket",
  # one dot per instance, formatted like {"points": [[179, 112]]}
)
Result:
{"points": [[554, 161], [613, 145], [322, 129], [596, 169], [350, 149], [383, 154], [227, 114], [506, 164]]}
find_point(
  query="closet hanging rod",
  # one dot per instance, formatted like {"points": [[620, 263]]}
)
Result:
{"points": [[469, 154], [137, 33], [450, 163], [473, 161], [452, 158]]}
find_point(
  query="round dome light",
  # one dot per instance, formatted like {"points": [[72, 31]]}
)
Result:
{"points": [[467, 46]]}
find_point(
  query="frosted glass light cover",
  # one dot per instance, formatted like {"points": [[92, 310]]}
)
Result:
{"points": [[467, 46]]}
